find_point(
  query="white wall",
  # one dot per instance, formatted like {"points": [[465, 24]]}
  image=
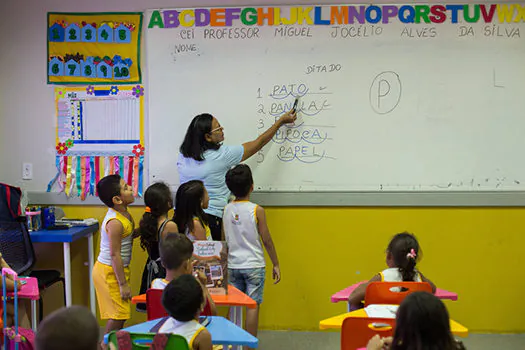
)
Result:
{"points": [[27, 121]]}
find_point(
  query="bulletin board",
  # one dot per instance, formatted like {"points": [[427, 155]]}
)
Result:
{"points": [[94, 48], [100, 131]]}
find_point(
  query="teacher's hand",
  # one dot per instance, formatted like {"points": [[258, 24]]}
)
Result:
{"points": [[288, 117]]}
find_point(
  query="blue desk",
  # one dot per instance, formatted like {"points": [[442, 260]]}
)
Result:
{"points": [[223, 332], [66, 237]]}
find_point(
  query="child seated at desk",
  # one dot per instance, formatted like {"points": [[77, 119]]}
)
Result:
{"points": [[176, 251], [422, 322], [73, 327], [183, 299], [402, 254]]}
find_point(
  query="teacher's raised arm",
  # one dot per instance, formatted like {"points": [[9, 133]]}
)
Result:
{"points": [[252, 147], [203, 157]]}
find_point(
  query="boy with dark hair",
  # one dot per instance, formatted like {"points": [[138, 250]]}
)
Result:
{"points": [[244, 227], [183, 300], [111, 274], [176, 251]]}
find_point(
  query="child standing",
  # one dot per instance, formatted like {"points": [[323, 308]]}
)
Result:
{"points": [[402, 254], [422, 322], [244, 227], [111, 271], [190, 200], [184, 301], [153, 227], [176, 251]]}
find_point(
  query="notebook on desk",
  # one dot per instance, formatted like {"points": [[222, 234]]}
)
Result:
{"points": [[381, 311]]}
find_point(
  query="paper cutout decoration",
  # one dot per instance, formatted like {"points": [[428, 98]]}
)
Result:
{"points": [[56, 33], [104, 70], [100, 131], [72, 68], [89, 33], [88, 68], [121, 71], [122, 34], [105, 34], [56, 67], [94, 41], [73, 33]]}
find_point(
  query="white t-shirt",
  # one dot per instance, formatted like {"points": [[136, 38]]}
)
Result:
{"points": [[393, 275], [212, 172], [189, 330], [242, 236], [159, 283]]}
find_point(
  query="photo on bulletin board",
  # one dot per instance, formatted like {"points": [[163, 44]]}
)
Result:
{"points": [[94, 48]]}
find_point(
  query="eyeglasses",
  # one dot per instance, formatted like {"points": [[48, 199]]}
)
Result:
{"points": [[216, 129]]}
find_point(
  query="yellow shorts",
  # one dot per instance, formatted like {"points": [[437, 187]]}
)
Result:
{"points": [[110, 304]]}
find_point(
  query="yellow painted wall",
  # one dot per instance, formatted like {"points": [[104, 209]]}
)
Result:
{"points": [[476, 252]]}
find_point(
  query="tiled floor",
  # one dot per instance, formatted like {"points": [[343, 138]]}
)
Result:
{"points": [[277, 340]]}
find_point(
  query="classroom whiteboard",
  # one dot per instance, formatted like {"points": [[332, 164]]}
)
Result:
{"points": [[392, 97]]}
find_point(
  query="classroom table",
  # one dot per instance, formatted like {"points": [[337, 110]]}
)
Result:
{"points": [[66, 237], [234, 299], [223, 332], [336, 322], [29, 291], [343, 294]]}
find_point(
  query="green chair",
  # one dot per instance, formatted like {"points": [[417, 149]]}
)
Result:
{"points": [[140, 341]]}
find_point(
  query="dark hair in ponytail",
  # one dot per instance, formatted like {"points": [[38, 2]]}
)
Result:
{"points": [[405, 251], [158, 199]]}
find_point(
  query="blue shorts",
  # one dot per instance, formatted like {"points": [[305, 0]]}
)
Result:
{"points": [[249, 281]]}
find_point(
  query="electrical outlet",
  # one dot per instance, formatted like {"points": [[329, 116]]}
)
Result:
{"points": [[27, 171]]}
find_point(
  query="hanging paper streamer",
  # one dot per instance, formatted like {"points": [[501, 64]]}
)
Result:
{"points": [[117, 165], [136, 176], [54, 180], [121, 167], [79, 176], [92, 175], [141, 175], [69, 175], [130, 171]]}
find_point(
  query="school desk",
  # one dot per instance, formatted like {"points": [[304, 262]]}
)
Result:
{"points": [[223, 332], [343, 295], [337, 322], [234, 299], [29, 291], [66, 237]]}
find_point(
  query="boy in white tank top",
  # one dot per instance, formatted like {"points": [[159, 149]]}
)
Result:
{"points": [[244, 227], [183, 300]]}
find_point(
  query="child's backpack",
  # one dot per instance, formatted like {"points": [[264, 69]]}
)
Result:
{"points": [[15, 338]]}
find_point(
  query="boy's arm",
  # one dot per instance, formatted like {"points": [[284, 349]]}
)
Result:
{"points": [[203, 341], [424, 279], [268, 242], [201, 278], [114, 229], [358, 295]]}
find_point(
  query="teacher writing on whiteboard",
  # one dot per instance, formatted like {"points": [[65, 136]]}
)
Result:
{"points": [[204, 157]]}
